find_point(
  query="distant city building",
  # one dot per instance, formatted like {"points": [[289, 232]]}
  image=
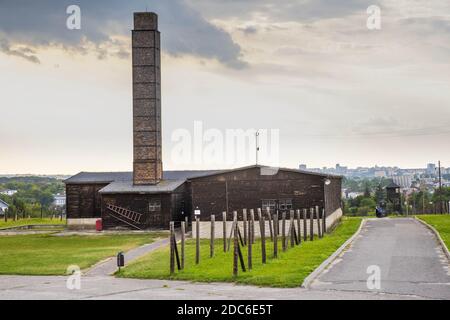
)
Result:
{"points": [[8, 192], [340, 169], [379, 174], [431, 168], [3, 207], [59, 200], [414, 174]]}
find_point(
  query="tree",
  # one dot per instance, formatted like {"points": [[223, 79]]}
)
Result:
{"points": [[367, 190], [380, 194]]}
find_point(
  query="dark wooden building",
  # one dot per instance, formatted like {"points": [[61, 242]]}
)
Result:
{"points": [[121, 204], [394, 197], [149, 197]]}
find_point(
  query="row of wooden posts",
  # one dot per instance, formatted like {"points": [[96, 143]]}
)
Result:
{"points": [[17, 217], [298, 219]]}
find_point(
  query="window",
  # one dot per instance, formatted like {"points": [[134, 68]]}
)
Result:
{"points": [[271, 203], [285, 204], [154, 205]]}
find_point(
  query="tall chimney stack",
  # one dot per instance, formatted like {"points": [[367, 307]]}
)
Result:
{"points": [[147, 164]]}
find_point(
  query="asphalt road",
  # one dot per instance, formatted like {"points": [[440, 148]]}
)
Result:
{"points": [[411, 262], [109, 288]]}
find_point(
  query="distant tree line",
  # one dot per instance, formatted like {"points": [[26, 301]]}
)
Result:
{"points": [[34, 197]]}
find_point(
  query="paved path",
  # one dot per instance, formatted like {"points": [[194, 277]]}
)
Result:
{"points": [[410, 259], [109, 266]]}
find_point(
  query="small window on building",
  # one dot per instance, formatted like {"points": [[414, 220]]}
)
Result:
{"points": [[271, 203], [285, 204], [154, 205]]}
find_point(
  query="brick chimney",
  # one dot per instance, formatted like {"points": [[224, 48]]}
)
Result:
{"points": [[147, 164]]}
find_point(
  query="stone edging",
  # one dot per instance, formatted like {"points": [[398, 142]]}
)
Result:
{"points": [[313, 275], [32, 226], [438, 236]]}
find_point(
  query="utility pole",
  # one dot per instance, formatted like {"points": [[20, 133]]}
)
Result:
{"points": [[440, 188]]}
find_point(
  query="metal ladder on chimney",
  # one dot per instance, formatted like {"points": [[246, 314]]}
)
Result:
{"points": [[129, 217]]}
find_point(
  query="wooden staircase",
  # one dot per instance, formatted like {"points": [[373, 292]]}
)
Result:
{"points": [[129, 217]]}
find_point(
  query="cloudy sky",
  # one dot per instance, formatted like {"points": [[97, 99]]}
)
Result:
{"points": [[336, 91]]}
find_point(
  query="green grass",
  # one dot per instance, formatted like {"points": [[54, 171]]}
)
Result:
{"points": [[289, 270], [441, 223], [48, 254], [23, 222]]}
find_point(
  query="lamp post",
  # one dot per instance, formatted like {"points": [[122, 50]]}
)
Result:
{"points": [[326, 182], [440, 188]]}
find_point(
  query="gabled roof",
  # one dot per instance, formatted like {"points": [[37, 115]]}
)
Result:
{"points": [[108, 177], [122, 182], [4, 203], [128, 187], [267, 170], [392, 185], [99, 177]]}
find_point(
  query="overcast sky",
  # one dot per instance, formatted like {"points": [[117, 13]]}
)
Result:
{"points": [[337, 91]]}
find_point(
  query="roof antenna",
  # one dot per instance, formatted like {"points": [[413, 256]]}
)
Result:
{"points": [[257, 145]]}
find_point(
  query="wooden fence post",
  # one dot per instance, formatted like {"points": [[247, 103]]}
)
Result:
{"points": [[244, 219], [258, 211], [252, 219], [213, 233], [270, 223], [241, 257], [319, 222], [172, 249], [311, 225], [224, 222], [249, 244], [324, 222], [263, 239], [275, 235], [183, 232], [292, 230], [197, 240], [305, 228], [299, 227], [283, 231], [235, 248], [186, 221]]}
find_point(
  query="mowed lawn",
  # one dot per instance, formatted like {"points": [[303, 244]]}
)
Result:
{"points": [[441, 223], [289, 270], [34, 221], [48, 254]]}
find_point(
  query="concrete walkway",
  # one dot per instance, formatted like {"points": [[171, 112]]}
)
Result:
{"points": [[409, 257], [109, 266]]}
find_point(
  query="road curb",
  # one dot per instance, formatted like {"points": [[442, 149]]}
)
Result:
{"points": [[438, 236], [313, 275]]}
